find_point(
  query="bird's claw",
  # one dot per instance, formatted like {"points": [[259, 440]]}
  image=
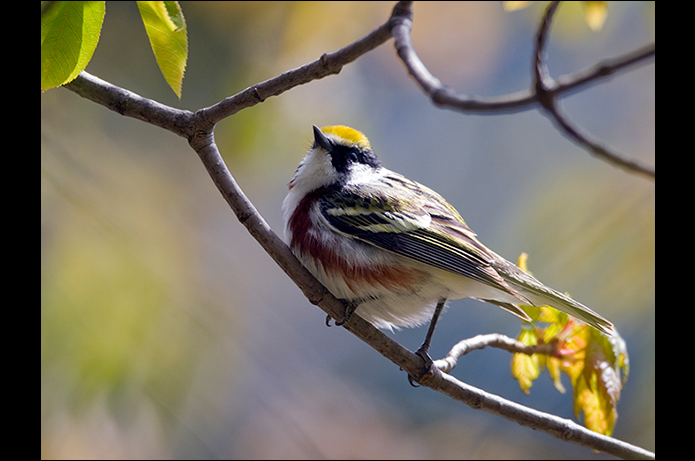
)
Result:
{"points": [[350, 307], [427, 367]]}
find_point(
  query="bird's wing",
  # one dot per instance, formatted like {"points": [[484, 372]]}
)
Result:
{"points": [[541, 295], [409, 219]]}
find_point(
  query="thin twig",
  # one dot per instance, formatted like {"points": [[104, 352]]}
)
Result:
{"points": [[439, 93], [607, 68], [547, 94], [327, 64], [490, 340], [564, 429], [546, 91], [582, 137]]}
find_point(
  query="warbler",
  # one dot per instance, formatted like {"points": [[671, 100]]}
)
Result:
{"points": [[392, 249]]}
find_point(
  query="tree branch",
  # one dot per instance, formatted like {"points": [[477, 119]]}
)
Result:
{"points": [[133, 105], [490, 340], [327, 64], [440, 94], [545, 91], [547, 94], [564, 429], [198, 129], [604, 69]]}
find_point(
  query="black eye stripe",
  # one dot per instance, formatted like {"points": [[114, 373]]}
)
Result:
{"points": [[343, 156]]}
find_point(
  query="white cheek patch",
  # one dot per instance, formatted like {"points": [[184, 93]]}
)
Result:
{"points": [[314, 171], [364, 174]]}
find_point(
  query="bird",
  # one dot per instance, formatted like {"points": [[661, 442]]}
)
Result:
{"points": [[393, 250]]}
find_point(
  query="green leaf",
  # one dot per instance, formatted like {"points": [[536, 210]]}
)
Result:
{"points": [[593, 360], [595, 14], [69, 35], [598, 387], [166, 29], [600, 413], [526, 368], [554, 368], [513, 6]]}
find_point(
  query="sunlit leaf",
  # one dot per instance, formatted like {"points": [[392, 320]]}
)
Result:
{"points": [[600, 413], [166, 29], [598, 387], [592, 360], [554, 369], [573, 363], [69, 35], [595, 14], [548, 314], [513, 6], [586, 400], [526, 368], [534, 312], [521, 262]]}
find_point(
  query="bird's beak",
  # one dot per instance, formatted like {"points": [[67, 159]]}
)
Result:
{"points": [[320, 139]]}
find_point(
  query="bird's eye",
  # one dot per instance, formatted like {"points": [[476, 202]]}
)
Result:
{"points": [[352, 156]]}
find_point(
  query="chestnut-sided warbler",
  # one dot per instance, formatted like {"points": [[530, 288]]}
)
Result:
{"points": [[393, 249]]}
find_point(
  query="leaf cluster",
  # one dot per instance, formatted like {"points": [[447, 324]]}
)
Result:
{"points": [[70, 34], [594, 362]]}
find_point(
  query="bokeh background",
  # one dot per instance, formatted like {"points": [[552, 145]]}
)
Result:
{"points": [[166, 332]]}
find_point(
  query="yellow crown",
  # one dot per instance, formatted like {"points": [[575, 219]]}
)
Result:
{"points": [[349, 134]]}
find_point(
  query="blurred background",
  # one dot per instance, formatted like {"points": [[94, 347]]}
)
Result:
{"points": [[166, 332]]}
